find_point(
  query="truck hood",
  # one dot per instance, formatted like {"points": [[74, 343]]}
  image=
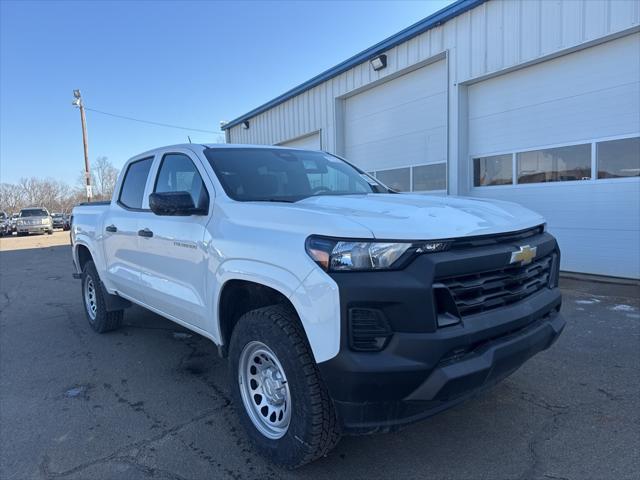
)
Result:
{"points": [[424, 217]]}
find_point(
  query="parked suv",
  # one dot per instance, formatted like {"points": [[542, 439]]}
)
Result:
{"points": [[13, 220], [342, 306], [34, 220], [58, 219], [5, 227]]}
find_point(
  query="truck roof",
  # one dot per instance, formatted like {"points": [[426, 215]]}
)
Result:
{"points": [[208, 145]]}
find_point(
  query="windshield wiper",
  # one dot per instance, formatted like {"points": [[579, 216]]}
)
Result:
{"points": [[283, 200]]}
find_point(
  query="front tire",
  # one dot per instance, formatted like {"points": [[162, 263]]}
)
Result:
{"points": [[100, 319], [276, 386]]}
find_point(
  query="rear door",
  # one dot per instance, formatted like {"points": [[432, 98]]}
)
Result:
{"points": [[174, 250], [120, 240]]}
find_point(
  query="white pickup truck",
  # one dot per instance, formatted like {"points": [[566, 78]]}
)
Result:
{"points": [[343, 306]]}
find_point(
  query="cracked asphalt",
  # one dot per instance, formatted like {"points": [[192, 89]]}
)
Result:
{"points": [[151, 401]]}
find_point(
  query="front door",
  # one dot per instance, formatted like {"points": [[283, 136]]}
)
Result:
{"points": [[174, 256]]}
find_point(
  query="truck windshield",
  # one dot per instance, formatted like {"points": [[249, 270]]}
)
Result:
{"points": [[270, 174], [34, 212]]}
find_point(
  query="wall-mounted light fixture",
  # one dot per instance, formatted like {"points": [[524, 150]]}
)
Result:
{"points": [[245, 124], [379, 62]]}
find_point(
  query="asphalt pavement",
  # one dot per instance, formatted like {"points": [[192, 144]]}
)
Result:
{"points": [[151, 401]]}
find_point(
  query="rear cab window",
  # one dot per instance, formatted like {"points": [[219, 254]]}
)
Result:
{"points": [[134, 183]]}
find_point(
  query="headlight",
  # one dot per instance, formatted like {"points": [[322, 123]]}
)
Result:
{"points": [[349, 255], [20, 222], [45, 221]]}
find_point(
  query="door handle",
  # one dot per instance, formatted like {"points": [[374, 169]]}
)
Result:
{"points": [[145, 233], [111, 228]]}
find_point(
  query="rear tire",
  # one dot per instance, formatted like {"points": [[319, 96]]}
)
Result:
{"points": [[100, 319], [268, 353]]}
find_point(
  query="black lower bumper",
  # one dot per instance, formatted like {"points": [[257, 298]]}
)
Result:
{"points": [[424, 369], [449, 385]]}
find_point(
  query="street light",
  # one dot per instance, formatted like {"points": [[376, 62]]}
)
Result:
{"points": [[77, 102]]}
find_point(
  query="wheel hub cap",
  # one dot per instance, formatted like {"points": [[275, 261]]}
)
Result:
{"points": [[273, 386], [90, 298], [264, 390]]}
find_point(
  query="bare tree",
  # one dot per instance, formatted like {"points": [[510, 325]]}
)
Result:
{"points": [[32, 190], [11, 197], [106, 176], [55, 195], [73, 198], [103, 178], [52, 194]]}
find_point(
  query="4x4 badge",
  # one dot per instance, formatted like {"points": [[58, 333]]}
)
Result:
{"points": [[524, 256]]}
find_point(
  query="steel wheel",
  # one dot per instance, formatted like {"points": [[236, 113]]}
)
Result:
{"points": [[264, 390], [90, 301]]}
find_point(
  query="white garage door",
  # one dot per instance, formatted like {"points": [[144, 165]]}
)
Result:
{"points": [[562, 138], [398, 130], [308, 142]]}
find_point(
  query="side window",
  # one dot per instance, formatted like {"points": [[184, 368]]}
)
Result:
{"points": [[135, 180], [179, 174]]}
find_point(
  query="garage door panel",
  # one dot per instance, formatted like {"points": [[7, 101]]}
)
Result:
{"points": [[410, 87], [399, 123], [575, 205], [582, 97], [581, 256], [597, 226], [584, 72], [609, 112], [403, 150], [308, 142], [406, 118], [408, 111]]}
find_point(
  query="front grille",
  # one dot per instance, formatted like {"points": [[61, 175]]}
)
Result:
{"points": [[479, 292]]}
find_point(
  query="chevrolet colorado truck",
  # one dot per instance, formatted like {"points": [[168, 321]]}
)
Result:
{"points": [[343, 307]]}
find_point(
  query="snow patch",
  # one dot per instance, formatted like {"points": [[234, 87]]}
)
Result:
{"points": [[623, 308], [588, 302]]}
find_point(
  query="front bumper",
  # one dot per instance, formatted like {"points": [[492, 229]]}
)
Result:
{"points": [[424, 369], [33, 228]]}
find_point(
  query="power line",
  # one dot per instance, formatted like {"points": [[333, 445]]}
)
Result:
{"points": [[151, 123]]}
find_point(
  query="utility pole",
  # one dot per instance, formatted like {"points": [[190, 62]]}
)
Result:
{"points": [[77, 102]]}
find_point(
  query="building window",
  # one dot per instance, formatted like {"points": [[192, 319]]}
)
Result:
{"points": [[430, 177], [493, 170], [618, 158], [398, 179], [555, 164]]}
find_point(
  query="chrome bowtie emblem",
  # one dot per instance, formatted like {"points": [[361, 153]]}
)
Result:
{"points": [[524, 255]]}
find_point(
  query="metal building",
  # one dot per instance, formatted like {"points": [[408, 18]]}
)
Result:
{"points": [[534, 101]]}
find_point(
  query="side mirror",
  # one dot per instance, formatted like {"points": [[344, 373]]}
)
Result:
{"points": [[174, 203]]}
